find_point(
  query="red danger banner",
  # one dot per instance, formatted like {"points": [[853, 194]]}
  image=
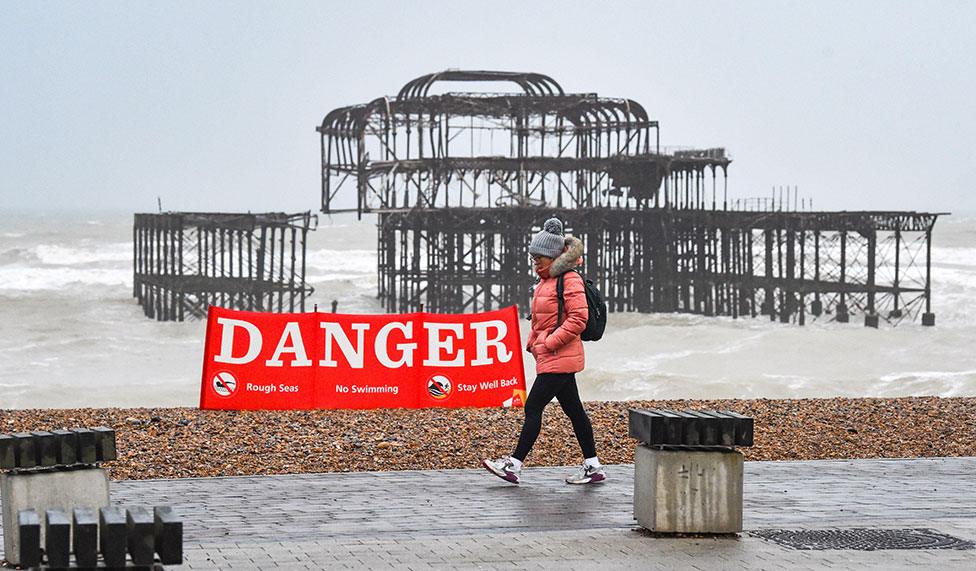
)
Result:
{"points": [[327, 360]]}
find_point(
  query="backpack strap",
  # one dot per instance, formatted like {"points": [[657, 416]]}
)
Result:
{"points": [[560, 287]]}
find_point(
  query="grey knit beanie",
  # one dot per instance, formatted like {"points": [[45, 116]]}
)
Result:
{"points": [[549, 241]]}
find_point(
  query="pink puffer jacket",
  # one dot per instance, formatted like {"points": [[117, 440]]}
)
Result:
{"points": [[559, 351]]}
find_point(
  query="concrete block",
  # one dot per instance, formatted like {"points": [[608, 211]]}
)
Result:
{"points": [[723, 430], [168, 536], [29, 531], [140, 527], [681, 491], [85, 542], [8, 452], [690, 427], [86, 445], [928, 319], [57, 538], [45, 443], [111, 536], [744, 428], [42, 491], [871, 320], [104, 444], [67, 446], [26, 451]]}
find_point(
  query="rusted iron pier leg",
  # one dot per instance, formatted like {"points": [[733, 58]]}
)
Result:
{"points": [[928, 318], [816, 306], [842, 314], [895, 312], [703, 300], [870, 315], [750, 271], [802, 305], [728, 304], [787, 308], [769, 302]]}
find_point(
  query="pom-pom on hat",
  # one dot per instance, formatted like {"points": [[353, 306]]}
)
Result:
{"points": [[549, 241]]}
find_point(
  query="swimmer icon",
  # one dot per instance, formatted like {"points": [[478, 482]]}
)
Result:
{"points": [[224, 384]]}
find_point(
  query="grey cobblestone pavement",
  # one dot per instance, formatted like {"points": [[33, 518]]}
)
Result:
{"points": [[468, 519]]}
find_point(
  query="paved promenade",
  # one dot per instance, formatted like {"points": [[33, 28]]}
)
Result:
{"points": [[469, 519]]}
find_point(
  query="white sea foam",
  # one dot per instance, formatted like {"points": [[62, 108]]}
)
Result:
{"points": [[355, 279], [956, 256], [38, 279], [58, 255], [341, 261]]}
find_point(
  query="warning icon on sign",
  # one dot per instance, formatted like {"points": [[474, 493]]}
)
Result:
{"points": [[224, 384]]}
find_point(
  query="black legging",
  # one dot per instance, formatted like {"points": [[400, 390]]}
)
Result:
{"points": [[563, 387]]}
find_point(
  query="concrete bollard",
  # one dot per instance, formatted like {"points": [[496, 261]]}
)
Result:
{"points": [[47, 490], [687, 474], [54, 473], [687, 491]]}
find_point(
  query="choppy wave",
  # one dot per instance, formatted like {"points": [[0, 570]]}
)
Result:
{"points": [[61, 255], [326, 261], [57, 255], [957, 256], [946, 383], [356, 279], [34, 279]]}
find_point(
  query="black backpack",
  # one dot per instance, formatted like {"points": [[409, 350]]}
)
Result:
{"points": [[596, 322]]}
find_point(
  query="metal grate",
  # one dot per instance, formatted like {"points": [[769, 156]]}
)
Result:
{"points": [[862, 539]]}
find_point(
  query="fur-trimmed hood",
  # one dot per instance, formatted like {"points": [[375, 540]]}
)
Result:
{"points": [[568, 259]]}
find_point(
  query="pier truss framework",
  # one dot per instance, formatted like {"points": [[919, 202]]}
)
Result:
{"points": [[541, 147], [186, 261], [791, 266], [461, 180]]}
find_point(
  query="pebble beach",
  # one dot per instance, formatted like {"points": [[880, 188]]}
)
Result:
{"points": [[187, 442]]}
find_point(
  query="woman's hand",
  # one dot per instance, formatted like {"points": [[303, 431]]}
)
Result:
{"points": [[543, 348]]}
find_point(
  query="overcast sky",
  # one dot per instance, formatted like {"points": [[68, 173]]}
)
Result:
{"points": [[213, 105]]}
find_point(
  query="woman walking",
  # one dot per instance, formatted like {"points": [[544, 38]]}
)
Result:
{"points": [[554, 341]]}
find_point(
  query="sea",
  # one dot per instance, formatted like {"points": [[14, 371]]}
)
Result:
{"points": [[72, 335]]}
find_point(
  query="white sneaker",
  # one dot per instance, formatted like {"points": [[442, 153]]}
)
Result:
{"points": [[504, 468], [587, 475]]}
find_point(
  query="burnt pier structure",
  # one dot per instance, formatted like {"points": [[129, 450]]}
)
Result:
{"points": [[461, 180], [186, 261]]}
